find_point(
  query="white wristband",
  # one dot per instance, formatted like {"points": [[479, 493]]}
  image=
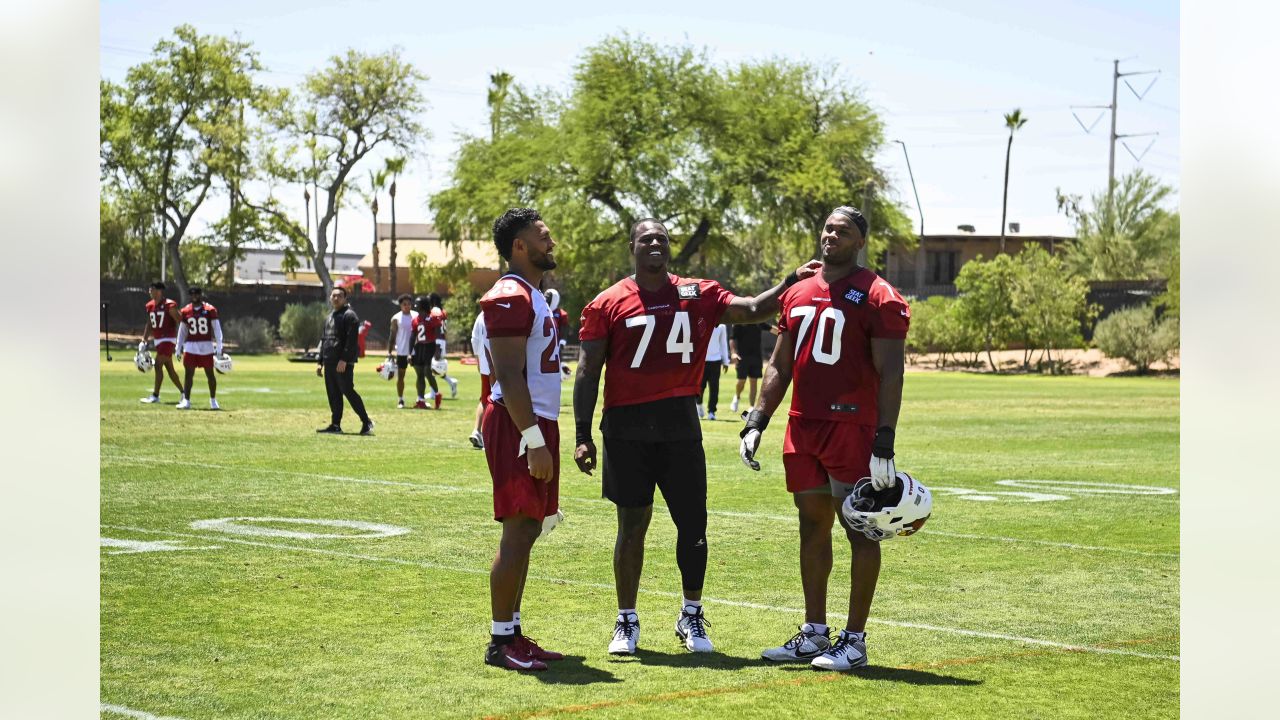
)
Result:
{"points": [[533, 437]]}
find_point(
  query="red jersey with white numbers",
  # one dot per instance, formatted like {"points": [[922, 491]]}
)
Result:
{"points": [[657, 340], [831, 327], [161, 320], [426, 328], [513, 308], [199, 320]]}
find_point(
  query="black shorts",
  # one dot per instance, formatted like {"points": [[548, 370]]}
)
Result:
{"points": [[749, 367], [402, 361], [631, 469], [424, 354]]}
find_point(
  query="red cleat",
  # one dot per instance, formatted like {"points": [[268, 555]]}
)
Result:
{"points": [[420, 405], [437, 401], [530, 647], [511, 657]]}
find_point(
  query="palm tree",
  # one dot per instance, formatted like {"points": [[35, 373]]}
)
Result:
{"points": [[377, 180], [499, 85], [394, 167], [1013, 121]]}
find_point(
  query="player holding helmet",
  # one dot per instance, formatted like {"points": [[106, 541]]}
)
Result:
{"points": [[199, 340], [162, 324], [842, 337]]}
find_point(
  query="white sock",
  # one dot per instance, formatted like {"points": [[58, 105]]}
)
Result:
{"points": [[421, 399], [503, 628], [628, 614], [820, 629], [692, 603], [401, 398], [515, 618]]}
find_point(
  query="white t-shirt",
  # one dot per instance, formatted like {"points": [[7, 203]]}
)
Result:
{"points": [[404, 332], [718, 349], [478, 337]]}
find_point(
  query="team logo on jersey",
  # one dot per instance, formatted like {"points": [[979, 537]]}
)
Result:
{"points": [[855, 296], [687, 292]]}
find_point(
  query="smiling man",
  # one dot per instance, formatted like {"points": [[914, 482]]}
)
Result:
{"points": [[652, 329]]}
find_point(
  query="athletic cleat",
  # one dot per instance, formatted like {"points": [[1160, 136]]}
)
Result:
{"points": [[530, 647], [477, 440], [848, 652], [213, 404], [183, 404], [150, 399], [511, 657], [701, 413], [330, 430], [692, 629], [626, 633], [439, 397], [804, 646], [400, 405], [367, 428], [733, 406], [453, 386], [711, 416], [420, 405]]}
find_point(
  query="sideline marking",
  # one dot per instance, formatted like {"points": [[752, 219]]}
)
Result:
{"points": [[998, 495], [246, 526], [130, 712], [658, 593], [142, 546], [722, 513], [1093, 488]]}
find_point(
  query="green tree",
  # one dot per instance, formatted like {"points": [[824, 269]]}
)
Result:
{"points": [[394, 166], [1049, 304], [429, 277], [499, 88], [985, 304], [1014, 122], [302, 324], [353, 105], [1134, 237], [1135, 335], [174, 126], [377, 181]]}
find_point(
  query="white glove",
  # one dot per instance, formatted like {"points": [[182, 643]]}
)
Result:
{"points": [[747, 449], [883, 472], [142, 346], [218, 352]]}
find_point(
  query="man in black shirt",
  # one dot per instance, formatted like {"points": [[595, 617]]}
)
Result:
{"points": [[744, 346], [339, 350]]}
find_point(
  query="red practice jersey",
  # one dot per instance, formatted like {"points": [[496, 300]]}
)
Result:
{"points": [[162, 324], [657, 340], [562, 322], [199, 320], [426, 328], [831, 329]]}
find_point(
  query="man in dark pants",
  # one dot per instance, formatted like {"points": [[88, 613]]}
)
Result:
{"points": [[338, 353], [745, 348]]}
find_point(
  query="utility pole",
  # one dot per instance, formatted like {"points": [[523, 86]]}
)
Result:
{"points": [[920, 253], [1112, 108], [866, 213]]}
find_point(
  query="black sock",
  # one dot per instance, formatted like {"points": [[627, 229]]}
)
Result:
{"points": [[502, 639], [518, 632]]}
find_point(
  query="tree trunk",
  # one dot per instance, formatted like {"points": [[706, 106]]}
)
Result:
{"points": [[1004, 206], [693, 244], [377, 269], [175, 266], [392, 266]]}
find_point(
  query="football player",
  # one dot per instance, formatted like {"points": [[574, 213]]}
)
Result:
{"points": [[199, 339], [478, 336], [652, 330], [425, 326], [562, 324], [717, 363], [162, 324], [842, 340], [402, 342], [521, 434], [437, 311]]}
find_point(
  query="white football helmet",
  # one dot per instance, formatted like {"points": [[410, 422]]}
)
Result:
{"points": [[439, 366], [550, 522], [896, 511], [553, 299], [222, 363], [142, 359], [387, 370]]}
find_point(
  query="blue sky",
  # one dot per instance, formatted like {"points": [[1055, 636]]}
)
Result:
{"points": [[941, 74]]}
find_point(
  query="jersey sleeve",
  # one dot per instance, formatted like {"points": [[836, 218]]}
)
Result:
{"points": [[507, 315], [594, 323], [717, 297], [213, 313], [891, 316], [784, 302]]}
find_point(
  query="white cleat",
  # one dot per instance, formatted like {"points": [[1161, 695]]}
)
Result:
{"points": [[453, 386], [847, 653], [626, 634], [183, 404], [477, 440], [733, 406], [692, 629], [711, 416], [804, 646], [701, 413], [213, 404], [150, 399]]}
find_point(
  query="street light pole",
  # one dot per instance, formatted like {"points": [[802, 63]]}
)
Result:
{"points": [[920, 255]]}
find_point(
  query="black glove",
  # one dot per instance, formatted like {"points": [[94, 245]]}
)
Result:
{"points": [[757, 421]]}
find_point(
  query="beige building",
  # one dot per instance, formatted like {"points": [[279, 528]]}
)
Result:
{"points": [[423, 238]]}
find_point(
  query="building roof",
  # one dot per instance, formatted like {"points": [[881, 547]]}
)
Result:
{"points": [[423, 238]]}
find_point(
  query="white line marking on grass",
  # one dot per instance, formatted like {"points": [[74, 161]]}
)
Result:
{"points": [[599, 501], [249, 526], [659, 593], [142, 546], [130, 712], [1095, 488]]}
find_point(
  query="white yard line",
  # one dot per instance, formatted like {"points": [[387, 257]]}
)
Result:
{"points": [[130, 712], [721, 513], [608, 586]]}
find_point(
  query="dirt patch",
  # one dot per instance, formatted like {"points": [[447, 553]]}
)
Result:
{"points": [[1089, 362]]}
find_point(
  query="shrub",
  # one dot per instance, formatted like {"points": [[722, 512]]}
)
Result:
{"points": [[252, 335], [1135, 335], [462, 308], [302, 324]]}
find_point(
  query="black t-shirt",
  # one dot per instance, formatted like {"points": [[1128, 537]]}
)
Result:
{"points": [[662, 420], [747, 339]]}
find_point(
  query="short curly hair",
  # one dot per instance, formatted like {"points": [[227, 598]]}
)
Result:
{"points": [[508, 225]]}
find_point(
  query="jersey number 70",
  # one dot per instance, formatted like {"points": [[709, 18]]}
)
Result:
{"points": [[819, 352], [679, 340]]}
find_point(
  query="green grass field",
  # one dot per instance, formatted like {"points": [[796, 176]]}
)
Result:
{"points": [[1058, 604]]}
